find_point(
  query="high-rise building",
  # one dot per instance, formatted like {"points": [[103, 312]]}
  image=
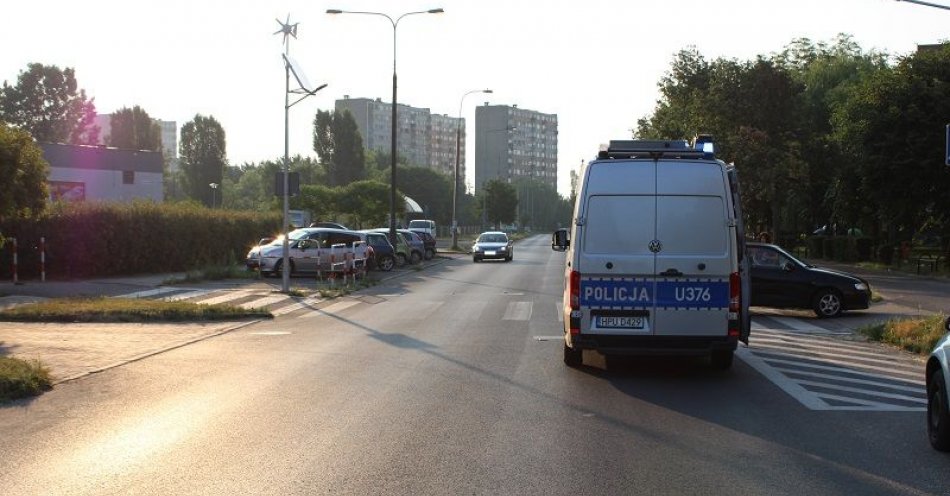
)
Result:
{"points": [[424, 139], [513, 143]]}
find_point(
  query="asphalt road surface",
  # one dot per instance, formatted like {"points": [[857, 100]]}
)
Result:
{"points": [[450, 381]]}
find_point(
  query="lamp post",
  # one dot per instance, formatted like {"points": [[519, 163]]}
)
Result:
{"points": [[214, 189], [392, 185], [455, 186]]}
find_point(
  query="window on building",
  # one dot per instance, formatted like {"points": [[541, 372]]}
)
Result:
{"points": [[128, 177]]}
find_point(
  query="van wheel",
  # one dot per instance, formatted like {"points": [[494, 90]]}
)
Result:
{"points": [[722, 359], [938, 417], [827, 303], [573, 357]]}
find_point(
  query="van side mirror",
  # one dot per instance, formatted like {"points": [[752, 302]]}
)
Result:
{"points": [[560, 240], [946, 325]]}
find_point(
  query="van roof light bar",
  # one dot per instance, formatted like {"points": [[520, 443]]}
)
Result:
{"points": [[653, 149]]}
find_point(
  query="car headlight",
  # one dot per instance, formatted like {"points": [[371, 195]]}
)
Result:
{"points": [[860, 286], [502, 248]]}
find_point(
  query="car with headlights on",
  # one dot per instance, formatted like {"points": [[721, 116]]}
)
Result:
{"points": [[780, 280], [492, 245], [938, 402]]}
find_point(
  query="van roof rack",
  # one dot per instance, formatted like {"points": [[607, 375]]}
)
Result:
{"points": [[655, 149]]}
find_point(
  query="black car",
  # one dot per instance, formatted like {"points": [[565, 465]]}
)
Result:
{"points": [[780, 280], [384, 256]]}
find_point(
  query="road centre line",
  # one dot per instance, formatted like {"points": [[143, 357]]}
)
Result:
{"points": [[518, 310], [559, 310]]}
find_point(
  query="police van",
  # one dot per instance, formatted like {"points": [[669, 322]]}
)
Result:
{"points": [[655, 254]]}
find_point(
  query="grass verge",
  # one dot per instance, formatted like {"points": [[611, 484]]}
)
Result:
{"points": [[917, 335], [125, 310], [22, 378], [336, 292]]}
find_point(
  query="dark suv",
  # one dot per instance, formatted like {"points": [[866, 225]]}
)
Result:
{"points": [[384, 256]]}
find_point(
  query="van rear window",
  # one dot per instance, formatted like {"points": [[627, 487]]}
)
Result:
{"points": [[692, 225], [619, 224]]}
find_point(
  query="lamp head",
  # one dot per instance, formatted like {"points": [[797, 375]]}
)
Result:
{"points": [[435, 11], [334, 11]]}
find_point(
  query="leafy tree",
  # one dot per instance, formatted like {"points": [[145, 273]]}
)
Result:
{"points": [[367, 203], [319, 200], [430, 189], [892, 128], [47, 103], [337, 141], [540, 206], [23, 191], [499, 202], [202, 157], [133, 129]]}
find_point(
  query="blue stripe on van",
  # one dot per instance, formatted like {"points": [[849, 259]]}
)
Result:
{"points": [[698, 294]]}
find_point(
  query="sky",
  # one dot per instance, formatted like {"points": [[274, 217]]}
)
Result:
{"points": [[594, 63]]}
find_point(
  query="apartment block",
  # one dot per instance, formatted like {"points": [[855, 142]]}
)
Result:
{"points": [[513, 143]]}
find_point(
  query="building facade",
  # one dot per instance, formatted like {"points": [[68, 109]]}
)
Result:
{"points": [[169, 137], [99, 173], [424, 139], [513, 143]]}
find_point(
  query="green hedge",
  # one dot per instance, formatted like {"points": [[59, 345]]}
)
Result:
{"points": [[100, 239], [841, 248]]}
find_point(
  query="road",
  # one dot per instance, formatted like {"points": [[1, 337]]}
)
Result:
{"points": [[448, 381]]}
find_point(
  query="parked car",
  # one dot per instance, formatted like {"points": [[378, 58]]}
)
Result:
{"points": [[429, 242], [938, 401], [780, 280], [311, 249], [384, 255], [405, 251], [415, 243], [423, 226], [492, 244], [253, 258], [333, 225]]}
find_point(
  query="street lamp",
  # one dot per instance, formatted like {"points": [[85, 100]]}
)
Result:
{"points": [[214, 189], [392, 186], [455, 186]]}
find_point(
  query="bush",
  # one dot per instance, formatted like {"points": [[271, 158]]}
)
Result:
{"points": [[885, 254], [815, 246], [99, 239], [21, 378]]}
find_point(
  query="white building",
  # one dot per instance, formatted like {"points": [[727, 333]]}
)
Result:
{"points": [[99, 173]]}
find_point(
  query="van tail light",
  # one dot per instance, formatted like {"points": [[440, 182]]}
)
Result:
{"points": [[575, 295], [575, 290], [735, 303]]}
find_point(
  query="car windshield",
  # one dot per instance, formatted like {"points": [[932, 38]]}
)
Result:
{"points": [[419, 224], [493, 238]]}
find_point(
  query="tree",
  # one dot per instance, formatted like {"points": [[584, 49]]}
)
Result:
{"points": [[202, 157], [430, 189], [133, 129], [366, 202], [47, 103], [23, 190], [499, 202], [337, 141]]}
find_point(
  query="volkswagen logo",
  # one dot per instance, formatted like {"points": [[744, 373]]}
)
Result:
{"points": [[656, 246]]}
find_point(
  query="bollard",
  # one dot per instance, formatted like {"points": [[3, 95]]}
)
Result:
{"points": [[15, 281], [42, 259]]}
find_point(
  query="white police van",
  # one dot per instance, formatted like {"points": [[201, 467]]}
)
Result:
{"points": [[655, 254]]}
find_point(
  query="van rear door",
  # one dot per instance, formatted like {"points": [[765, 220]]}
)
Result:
{"points": [[614, 260], [693, 249]]}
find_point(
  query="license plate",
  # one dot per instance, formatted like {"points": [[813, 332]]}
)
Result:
{"points": [[490, 253], [620, 322]]}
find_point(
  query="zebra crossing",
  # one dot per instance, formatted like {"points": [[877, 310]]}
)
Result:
{"points": [[824, 372]]}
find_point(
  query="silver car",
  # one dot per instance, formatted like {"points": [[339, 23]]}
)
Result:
{"points": [[938, 406], [492, 244], [313, 249]]}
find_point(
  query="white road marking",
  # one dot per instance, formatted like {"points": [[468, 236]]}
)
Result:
{"points": [[518, 310], [226, 297], [270, 333], [150, 292], [803, 326], [189, 294], [820, 373], [295, 306], [559, 311], [263, 302], [332, 309]]}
